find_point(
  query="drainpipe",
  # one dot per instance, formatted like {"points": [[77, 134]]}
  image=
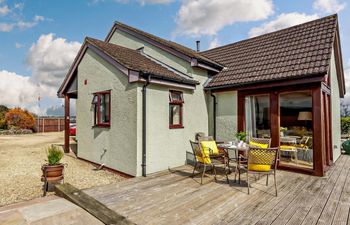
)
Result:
{"points": [[214, 113], [144, 88]]}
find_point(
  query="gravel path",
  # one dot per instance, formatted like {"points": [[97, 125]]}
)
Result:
{"points": [[21, 158]]}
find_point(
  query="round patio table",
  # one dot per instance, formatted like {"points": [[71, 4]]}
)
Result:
{"points": [[236, 149]]}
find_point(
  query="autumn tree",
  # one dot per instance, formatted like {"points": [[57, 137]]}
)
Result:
{"points": [[19, 118], [3, 111]]}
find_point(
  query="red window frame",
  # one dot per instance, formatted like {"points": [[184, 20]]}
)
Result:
{"points": [[180, 103], [97, 109]]}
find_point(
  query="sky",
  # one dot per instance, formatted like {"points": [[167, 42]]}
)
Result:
{"points": [[39, 39]]}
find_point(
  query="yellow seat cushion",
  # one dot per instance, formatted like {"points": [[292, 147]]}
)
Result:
{"points": [[259, 167], [288, 147], [204, 158], [210, 147], [258, 144], [260, 161]]}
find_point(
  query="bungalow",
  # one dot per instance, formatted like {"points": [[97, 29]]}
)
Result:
{"points": [[140, 98]]}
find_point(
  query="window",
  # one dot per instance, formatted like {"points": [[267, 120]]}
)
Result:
{"points": [[257, 115], [175, 109], [102, 108]]}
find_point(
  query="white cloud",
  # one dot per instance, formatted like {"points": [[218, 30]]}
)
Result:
{"points": [[19, 6], [347, 83], [214, 43], [49, 59], [38, 18], [18, 45], [22, 25], [284, 20], [17, 90], [143, 2], [328, 6], [4, 10], [6, 27], [207, 17]]}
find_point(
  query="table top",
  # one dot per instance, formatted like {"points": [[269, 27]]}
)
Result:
{"points": [[233, 147]]}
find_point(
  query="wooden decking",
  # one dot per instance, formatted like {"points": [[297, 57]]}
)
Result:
{"points": [[174, 198]]}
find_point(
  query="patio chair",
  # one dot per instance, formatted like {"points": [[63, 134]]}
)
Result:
{"points": [[288, 145], [202, 158], [260, 142], [261, 161], [303, 146], [214, 151]]}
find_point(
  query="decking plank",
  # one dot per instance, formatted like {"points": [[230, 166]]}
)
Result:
{"points": [[241, 215], [316, 210], [175, 198], [342, 213]]}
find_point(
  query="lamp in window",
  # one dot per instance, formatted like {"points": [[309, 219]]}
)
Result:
{"points": [[306, 116]]}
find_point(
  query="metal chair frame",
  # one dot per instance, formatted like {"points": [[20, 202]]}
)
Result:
{"points": [[271, 152], [198, 151], [261, 141]]}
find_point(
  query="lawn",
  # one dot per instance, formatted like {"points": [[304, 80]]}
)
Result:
{"points": [[21, 157]]}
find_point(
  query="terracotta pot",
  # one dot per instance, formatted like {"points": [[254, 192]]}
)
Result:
{"points": [[52, 170]]}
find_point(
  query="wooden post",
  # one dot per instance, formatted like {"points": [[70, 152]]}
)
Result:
{"points": [[66, 123], [318, 132], [275, 119]]}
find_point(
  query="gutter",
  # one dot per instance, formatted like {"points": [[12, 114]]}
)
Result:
{"points": [[214, 113], [144, 127]]}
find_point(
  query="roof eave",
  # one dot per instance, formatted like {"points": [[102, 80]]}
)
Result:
{"points": [[215, 67], [310, 78]]}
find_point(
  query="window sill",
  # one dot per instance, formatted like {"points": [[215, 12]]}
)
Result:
{"points": [[176, 127], [101, 126]]}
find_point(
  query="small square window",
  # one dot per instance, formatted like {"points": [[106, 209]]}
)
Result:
{"points": [[176, 96]]}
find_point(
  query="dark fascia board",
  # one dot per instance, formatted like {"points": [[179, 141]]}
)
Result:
{"points": [[133, 76], [71, 70], [172, 51], [339, 63], [171, 84], [268, 84], [78, 59]]}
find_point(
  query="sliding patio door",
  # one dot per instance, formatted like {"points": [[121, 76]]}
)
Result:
{"points": [[296, 129], [257, 116]]}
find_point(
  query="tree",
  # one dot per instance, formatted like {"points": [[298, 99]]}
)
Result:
{"points": [[344, 110], [19, 118], [3, 111]]}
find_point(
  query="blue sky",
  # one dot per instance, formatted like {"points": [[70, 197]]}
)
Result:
{"points": [[39, 39]]}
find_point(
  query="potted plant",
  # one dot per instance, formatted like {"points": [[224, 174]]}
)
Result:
{"points": [[241, 136], [53, 169], [282, 130]]}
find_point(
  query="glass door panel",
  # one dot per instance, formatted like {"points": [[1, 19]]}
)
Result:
{"points": [[296, 136], [257, 116]]}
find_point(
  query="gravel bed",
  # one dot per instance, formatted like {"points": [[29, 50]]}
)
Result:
{"points": [[21, 158]]}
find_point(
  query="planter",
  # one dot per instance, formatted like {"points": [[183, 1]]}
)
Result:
{"points": [[52, 171]]}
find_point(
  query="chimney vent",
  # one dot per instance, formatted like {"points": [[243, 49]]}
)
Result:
{"points": [[198, 45]]}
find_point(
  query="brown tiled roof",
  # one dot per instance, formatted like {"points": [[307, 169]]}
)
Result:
{"points": [[173, 45], [299, 51], [134, 60]]}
